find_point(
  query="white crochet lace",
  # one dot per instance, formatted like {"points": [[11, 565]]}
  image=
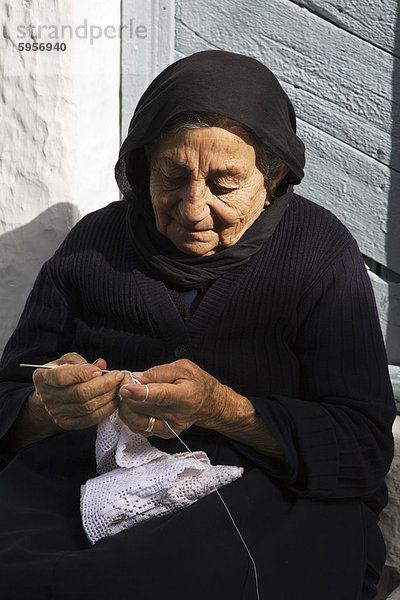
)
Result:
{"points": [[137, 481]]}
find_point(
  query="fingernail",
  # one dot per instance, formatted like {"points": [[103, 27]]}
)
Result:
{"points": [[97, 374], [119, 377]]}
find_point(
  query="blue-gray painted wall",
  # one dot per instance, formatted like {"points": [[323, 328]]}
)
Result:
{"points": [[339, 62]]}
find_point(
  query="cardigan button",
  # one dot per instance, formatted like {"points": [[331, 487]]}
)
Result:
{"points": [[180, 351]]}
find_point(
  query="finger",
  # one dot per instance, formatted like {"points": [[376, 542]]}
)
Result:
{"points": [[137, 392], [136, 423], [71, 358], [137, 374], [168, 373], [152, 395], [69, 374], [81, 403], [127, 379], [101, 363], [176, 413], [97, 387], [104, 411], [86, 402], [139, 423], [165, 401], [78, 399], [82, 421], [160, 429]]}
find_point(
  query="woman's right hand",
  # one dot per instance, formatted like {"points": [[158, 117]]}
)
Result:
{"points": [[76, 394]]}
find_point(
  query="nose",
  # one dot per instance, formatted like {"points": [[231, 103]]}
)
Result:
{"points": [[194, 204]]}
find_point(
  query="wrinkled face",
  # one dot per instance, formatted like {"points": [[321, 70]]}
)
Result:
{"points": [[206, 189]]}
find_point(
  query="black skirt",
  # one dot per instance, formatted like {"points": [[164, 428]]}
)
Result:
{"points": [[303, 548]]}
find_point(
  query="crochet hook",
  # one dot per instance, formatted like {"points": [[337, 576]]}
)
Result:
{"points": [[50, 367]]}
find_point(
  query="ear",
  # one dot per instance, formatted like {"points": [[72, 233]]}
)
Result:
{"points": [[273, 183]]}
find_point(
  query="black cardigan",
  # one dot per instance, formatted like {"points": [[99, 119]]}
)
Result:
{"points": [[295, 330]]}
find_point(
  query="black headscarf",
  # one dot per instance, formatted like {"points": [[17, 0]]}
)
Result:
{"points": [[217, 82]]}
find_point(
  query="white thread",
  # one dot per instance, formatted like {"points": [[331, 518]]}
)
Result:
{"points": [[253, 562], [228, 512], [132, 377], [136, 381]]}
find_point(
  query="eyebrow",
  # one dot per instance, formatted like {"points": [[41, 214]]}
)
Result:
{"points": [[228, 171], [231, 171]]}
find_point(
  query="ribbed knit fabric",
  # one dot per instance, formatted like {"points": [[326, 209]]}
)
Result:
{"points": [[295, 330]]}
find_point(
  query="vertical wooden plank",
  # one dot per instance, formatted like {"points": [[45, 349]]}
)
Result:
{"points": [[146, 52], [339, 62]]}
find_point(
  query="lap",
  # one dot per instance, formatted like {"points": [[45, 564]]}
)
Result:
{"points": [[303, 548]]}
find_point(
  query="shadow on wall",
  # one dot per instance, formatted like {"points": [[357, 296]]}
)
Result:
{"points": [[393, 237], [22, 253]]}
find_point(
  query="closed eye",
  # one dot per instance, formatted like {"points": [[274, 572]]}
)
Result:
{"points": [[176, 182], [219, 190]]}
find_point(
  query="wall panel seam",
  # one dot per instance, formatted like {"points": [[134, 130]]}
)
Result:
{"points": [[340, 26]]}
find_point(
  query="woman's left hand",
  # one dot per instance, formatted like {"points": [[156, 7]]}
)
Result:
{"points": [[180, 393]]}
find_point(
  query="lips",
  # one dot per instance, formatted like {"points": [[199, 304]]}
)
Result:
{"points": [[194, 229]]}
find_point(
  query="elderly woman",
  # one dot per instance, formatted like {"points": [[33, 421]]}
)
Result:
{"points": [[246, 313]]}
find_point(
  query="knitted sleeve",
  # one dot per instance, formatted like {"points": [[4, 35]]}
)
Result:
{"points": [[339, 432], [46, 328], [44, 333]]}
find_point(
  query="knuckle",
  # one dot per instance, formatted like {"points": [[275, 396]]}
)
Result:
{"points": [[184, 363], [102, 413], [92, 405], [152, 373], [188, 367], [126, 380], [80, 373], [37, 378], [101, 404], [80, 395], [72, 358]]}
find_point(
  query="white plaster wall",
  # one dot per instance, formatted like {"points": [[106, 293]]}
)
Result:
{"points": [[59, 135]]}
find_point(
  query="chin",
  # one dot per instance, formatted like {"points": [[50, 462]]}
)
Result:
{"points": [[192, 249]]}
